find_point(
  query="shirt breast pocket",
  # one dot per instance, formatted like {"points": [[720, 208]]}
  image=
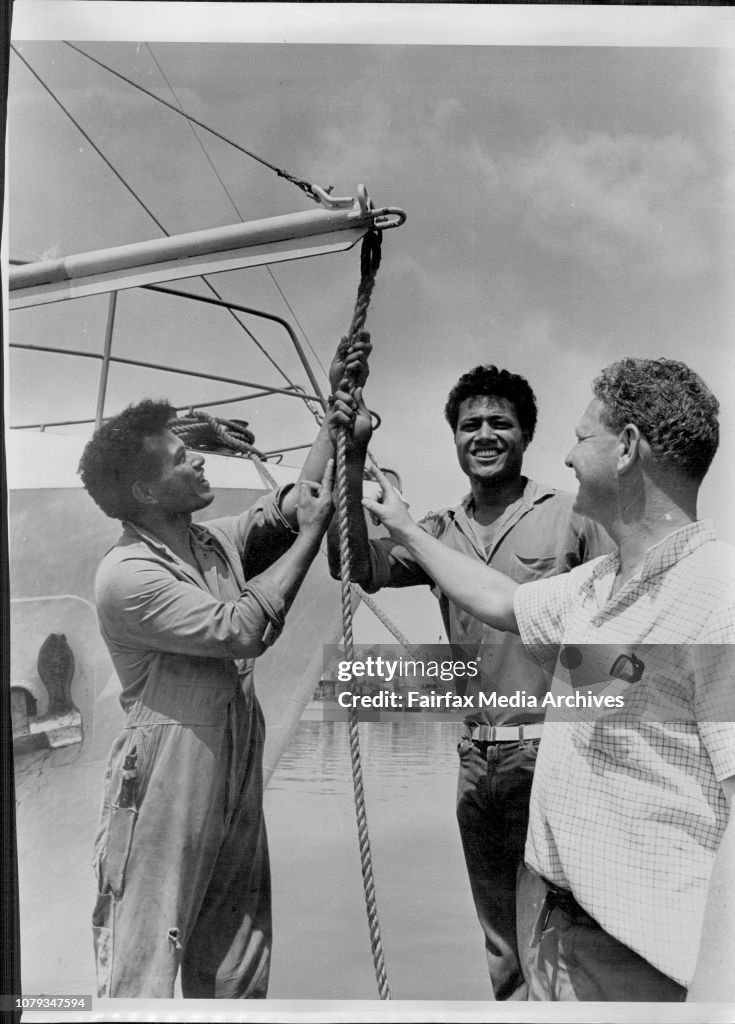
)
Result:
{"points": [[532, 567]]}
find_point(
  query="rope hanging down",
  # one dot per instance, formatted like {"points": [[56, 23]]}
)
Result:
{"points": [[369, 263]]}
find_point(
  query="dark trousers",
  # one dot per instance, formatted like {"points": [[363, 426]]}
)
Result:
{"points": [[493, 792], [568, 956]]}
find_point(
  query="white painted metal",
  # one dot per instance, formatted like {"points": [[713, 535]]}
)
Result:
{"points": [[274, 239]]}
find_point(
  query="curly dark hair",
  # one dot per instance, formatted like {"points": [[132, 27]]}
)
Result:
{"points": [[495, 383], [671, 406], [116, 456]]}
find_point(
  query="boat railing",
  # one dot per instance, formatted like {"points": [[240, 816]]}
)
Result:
{"points": [[312, 400]]}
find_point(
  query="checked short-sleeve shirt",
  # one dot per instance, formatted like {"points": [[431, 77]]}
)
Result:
{"points": [[627, 809]]}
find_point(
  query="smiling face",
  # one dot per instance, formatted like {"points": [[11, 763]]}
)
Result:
{"points": [[180, 486], [489, 440], [594, 459]]}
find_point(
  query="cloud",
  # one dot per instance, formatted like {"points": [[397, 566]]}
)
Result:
{"points": [[618, 202], [480, 163]]}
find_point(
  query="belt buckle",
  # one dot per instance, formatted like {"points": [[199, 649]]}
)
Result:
{"points": [[518, 729]]}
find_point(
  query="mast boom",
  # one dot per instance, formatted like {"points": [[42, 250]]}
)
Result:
{"points": [[214, 250]]}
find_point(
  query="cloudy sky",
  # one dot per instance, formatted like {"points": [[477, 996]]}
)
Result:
{"points": [[567, 205]]}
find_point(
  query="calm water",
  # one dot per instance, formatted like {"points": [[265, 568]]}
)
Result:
{"points": [[432, 941]]}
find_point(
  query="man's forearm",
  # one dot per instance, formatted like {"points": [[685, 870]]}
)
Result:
{"points": [[483, 592], [321, 451], [313, 468], [289, 570]]}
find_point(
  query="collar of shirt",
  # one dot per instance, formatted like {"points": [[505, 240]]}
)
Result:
{"points": [[200, 535], [533, 494], [658, 559]]}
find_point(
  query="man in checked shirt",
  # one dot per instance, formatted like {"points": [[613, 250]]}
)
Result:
{"points": [[629, 892]]}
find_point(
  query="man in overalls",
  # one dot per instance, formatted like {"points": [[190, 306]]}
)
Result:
{"points": [[181, 853]]}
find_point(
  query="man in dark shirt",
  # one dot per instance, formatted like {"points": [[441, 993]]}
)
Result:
{"points": [[527, 531]]}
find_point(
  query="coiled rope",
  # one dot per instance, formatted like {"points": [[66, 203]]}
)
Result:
{"points": [[198, 430], [203, 432], [369, 263]]}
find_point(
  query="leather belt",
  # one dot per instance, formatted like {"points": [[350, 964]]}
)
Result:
{"points": [[505, 733], [563, 899]]}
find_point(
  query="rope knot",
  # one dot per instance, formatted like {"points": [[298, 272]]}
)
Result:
{"points": [[371, 253], [202, 432]]}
